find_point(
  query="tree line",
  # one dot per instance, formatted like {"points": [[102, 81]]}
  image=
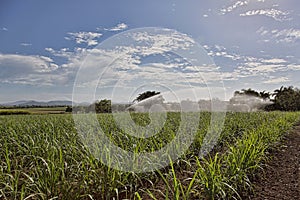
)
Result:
{"points": [[102, 106], [106, 106], [283, 99]]}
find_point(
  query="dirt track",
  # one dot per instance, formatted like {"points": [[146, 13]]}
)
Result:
{"points": [[281, 178]]}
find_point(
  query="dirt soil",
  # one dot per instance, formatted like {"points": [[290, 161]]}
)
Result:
{"points": [[281, 177]]}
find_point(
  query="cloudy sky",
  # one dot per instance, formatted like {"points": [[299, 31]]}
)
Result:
{"points": [[44, 44]]}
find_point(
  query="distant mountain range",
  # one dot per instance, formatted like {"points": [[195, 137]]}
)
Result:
{"points": [[30, 103], [37, 103]]}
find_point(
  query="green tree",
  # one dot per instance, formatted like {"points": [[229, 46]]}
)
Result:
{"points": [[265, 95], [287, 99], [284, 98], [145, 95], [250, 92], [103, 106], [69, 109], [278, 91]]}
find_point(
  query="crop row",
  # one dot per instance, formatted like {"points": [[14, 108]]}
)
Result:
{"points": [[43, 157]]}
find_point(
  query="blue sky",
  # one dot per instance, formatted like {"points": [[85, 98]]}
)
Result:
{"points": [[253, 43]]}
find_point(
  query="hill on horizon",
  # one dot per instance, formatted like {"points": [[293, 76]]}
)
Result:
{"points": [[28, 103]]}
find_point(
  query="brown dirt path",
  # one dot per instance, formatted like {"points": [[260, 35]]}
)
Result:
{"points": [[281, 178]]}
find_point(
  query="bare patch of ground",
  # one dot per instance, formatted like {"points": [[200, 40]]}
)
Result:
{"points": [[281, 177]]}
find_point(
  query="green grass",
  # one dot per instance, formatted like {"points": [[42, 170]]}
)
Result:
{"points": [[20, 111], [42, 157], [14, 112]]}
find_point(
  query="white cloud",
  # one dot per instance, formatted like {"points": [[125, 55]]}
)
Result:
{"points": [[32, 63], [51, 50], [277, 80], [4, 29], [118, 27], [294, 67], [287, 35], [220, 51], [262, 31], [30, 69], [25, 44], [259, 68], [277, 15], [274, 60], [170, 41], [239, 4], [265, 67], [90, 38], [281, 36], [124, 65], [234, 6], [249, 66]]}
